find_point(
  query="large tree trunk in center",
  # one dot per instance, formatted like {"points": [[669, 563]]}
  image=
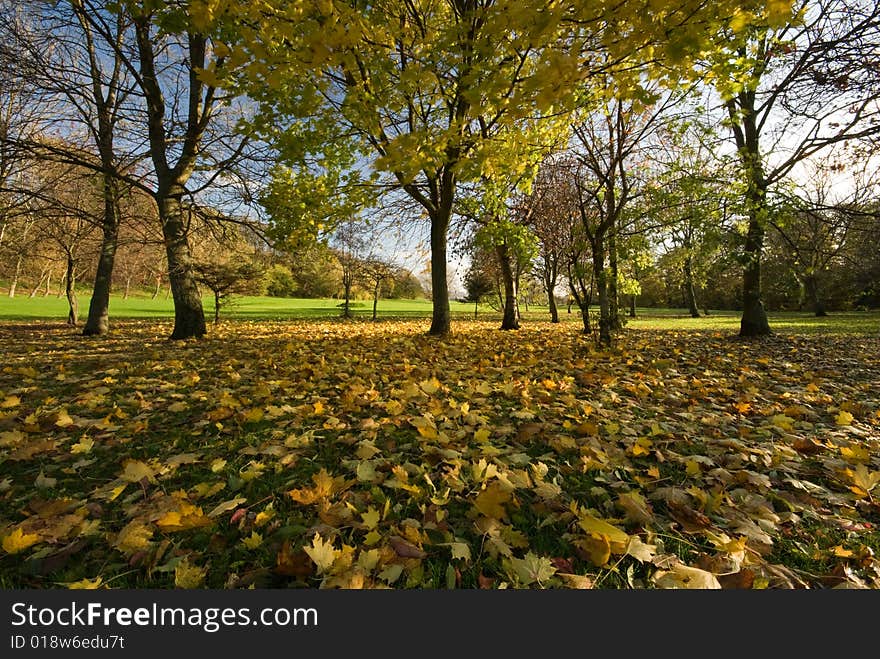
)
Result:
{"points": [[98, 321], [811, 288], [613, 296], [510, 321], [600, 273], [440, 316], [754, 319], [189, 316], [690, 295]]}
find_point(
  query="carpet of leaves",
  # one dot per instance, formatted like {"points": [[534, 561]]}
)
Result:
{"points": [[370, 455]]}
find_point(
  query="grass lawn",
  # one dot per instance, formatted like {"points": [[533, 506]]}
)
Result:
{"points": [[322, 453]]}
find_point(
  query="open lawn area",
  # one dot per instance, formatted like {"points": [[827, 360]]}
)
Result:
{"points": [[322, 453]]}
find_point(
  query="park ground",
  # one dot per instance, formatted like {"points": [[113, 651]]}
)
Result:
{"points": [[294, 449]]}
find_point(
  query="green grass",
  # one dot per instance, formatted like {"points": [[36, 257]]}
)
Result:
{"points": [[273, 308], [253, 308]]}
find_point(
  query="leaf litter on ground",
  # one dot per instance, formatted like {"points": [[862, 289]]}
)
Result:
{"points": [[370, 455]]}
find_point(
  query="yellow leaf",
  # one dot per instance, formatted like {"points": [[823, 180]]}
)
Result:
{"points": [[226, 506], [460, 551], [253, 541], [10, 401], [63, 419], [431, 386], [133, 537], [18, 541], [44, 482], [591, 524], [134, 471], [370, 518], [844, 418], [179, 406], [863, 480], [84, 445], [682, 576], [692, 468], [188, 517], [840, 552], [639, 550], [782, 421], [322, 553], [490, 502], [318, 407], [86, 584], [217, 465], [596, 547], [189, 576], [264, 516]]}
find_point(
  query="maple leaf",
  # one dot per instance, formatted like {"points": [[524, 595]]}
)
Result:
{"points": [[134, 471], [322, 553], [187, 575], [86, 584], [253, 541], [188, 516], [490, 501], [531, 569], [863, 480], [18, 541], [682, 576], [134, 536]]}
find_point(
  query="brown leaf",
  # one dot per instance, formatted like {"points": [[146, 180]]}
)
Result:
{"points": [[405, 549]]}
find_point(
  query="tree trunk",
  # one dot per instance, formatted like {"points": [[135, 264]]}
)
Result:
{"points": [[99, 307], [14, 283], [811, 286], [613, 296], [554, 312], [127, 287], [376, 300], [690, 296], [158, 288], [600, 274], [510, 321], [440, 315], [216, 307], [476, 307], [346, 303], [48, 288], [70, 291], [189, 316], [632, 305], [585, 318], [754, 319]]}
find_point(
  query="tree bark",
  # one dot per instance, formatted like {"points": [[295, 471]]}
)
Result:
{"points": [[690, 295], [600, 273], [216, 307], [585, 318], [613, 296], [376, 300], [811, 288], [754, 319], [632, 305], [440, 315], [510, 320], [14, 283], [98, 321], [189, 316], [70, 291]]}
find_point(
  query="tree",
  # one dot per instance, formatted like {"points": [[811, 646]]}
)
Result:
{"points": [[792, 86], [436, 94], [478, 284], [226, 279], [349, 243], [378, 272]]}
